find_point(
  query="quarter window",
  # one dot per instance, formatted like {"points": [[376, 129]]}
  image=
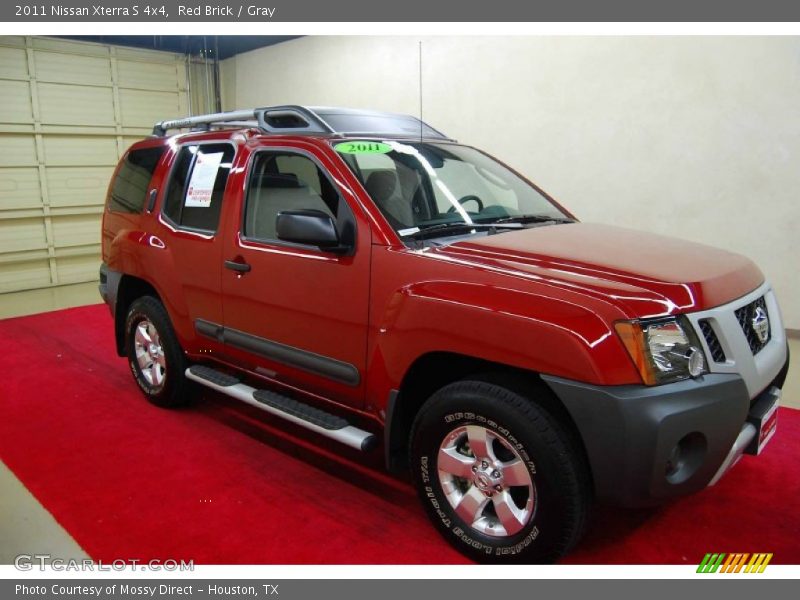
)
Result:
{"points": [[130, 186], [197, 186]]}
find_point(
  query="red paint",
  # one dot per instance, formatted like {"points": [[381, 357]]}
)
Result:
{"points": [[217, 485], [543, 299]]}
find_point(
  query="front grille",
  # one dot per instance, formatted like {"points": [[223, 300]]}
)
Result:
{"points": [[717, 353], [746, 316]]}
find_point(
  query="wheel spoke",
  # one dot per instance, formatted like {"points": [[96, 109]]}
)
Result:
{"points": [[147, 369], [470, 507], [155, 373], [480, 442], [143, 330], [139, 337], [512, 518], [516, 473], [455, 463], [143, 359]]}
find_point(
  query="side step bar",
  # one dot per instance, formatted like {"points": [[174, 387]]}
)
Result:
{"points": [[298, 413]]}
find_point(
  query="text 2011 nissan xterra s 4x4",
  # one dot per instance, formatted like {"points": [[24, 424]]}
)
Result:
{"points": [[363, 276]]}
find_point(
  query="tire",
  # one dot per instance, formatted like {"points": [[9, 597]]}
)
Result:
{"points": [[535, 511], [154, 355]]}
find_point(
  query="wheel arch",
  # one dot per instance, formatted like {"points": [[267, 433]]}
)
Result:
{"points": [[432, 371], [130, 288]]}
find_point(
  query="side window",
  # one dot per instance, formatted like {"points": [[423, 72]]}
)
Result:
{"points": [[196, 188], [282, 181], [130, 186]]}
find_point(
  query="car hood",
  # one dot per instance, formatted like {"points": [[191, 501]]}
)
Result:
{"points": [[646, 274]]}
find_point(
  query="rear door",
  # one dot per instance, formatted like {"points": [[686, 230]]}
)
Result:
{"points": [[298, 314], [191, 208]]}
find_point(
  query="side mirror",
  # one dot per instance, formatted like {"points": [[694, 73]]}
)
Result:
{"points": [[309, 226]]}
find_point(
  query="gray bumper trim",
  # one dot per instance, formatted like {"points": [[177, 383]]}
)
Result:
{"points": [[746, 436], [629, 432]]}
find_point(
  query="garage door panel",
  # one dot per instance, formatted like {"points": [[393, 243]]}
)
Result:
{"points": [[143, 108], [18, 235], [80, 150], [16, 102], [76, 230], [62, 133], [19, 188], [24, 275], [13, 63], [77, 186], [18, 150], [69, 46], [75, 269], [148, 76], [72, 68], [144, 55], [62, 104]]}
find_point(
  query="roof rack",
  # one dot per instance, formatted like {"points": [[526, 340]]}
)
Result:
{"points": [[308, 120]]}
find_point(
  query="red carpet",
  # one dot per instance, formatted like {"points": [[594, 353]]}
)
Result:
{"points": [[217, 483]]}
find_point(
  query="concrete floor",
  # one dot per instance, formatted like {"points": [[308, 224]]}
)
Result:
{"points": [[25, 525], [27, 528]]}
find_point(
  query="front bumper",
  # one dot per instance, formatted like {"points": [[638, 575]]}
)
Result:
{"points": [[630, 433]]}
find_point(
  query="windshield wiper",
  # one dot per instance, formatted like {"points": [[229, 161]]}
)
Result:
{"points": [[532, 219], [424, 232]]}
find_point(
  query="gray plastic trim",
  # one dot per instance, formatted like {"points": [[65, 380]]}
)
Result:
{"points": [[298, 358]]}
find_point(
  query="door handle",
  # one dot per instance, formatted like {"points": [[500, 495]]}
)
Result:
{"points": [[151, 202], [235, 265]]}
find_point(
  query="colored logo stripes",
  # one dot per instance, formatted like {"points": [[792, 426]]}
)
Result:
{"points": [[734, 563]]}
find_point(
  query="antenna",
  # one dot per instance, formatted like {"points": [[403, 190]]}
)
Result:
{"points": [[420, 92]]}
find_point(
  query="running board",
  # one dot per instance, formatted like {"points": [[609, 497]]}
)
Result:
{"points": [[298, 413]]}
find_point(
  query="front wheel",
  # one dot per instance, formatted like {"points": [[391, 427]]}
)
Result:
{"points": [[500, 477]]}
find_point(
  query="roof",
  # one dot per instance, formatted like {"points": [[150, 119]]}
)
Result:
{"points": [[309, 120]]}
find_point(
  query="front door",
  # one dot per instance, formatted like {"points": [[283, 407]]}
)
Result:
{"points": [[296, 313]]}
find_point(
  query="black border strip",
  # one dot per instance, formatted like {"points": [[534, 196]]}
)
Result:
{"points": [[298, 358]]}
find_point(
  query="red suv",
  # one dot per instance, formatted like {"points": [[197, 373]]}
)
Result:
{"points": [[365, 277]]}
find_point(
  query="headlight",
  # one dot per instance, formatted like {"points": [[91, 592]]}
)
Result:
{"points": [[663, 350]]}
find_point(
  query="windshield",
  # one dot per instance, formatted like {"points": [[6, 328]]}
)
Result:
{"points": [[420, 186]]}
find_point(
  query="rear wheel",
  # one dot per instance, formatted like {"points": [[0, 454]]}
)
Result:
{"points": [[500, 477], [154, 354]]}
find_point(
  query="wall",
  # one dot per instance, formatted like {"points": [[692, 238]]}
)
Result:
{"points": [[696, 137], [68, 111]]}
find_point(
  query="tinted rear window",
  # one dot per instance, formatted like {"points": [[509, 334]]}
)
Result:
{"points": [[197, 186], [130, 187]]}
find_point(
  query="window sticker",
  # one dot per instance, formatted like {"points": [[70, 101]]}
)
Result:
{"points": [[362, 147], [201, 184]]}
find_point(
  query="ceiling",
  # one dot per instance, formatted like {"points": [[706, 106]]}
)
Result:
{"points": [[228, 45]]}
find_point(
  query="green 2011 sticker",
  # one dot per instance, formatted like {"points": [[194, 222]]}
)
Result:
{"points": [[362, 147]]}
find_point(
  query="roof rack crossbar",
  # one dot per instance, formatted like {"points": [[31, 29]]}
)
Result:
{"points": [[277, 120], [298, 118], [160, 129]]}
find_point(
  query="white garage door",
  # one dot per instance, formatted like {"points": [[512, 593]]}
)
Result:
{"points": [[68, 111]]}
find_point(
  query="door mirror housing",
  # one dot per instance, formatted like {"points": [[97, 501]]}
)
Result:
{"points": [[310, 227]]}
